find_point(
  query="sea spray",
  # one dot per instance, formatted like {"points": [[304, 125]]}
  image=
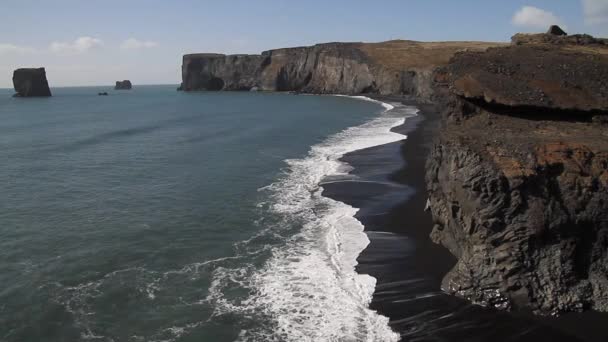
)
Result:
{"points": [[308, 290]]}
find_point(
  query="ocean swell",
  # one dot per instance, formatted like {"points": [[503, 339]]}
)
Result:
{"points": [[308, 289]]}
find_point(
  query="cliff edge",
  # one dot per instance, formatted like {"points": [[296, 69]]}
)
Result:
{"points": [[518, 177]]}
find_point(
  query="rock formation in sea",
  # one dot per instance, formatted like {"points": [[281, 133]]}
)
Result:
{"points": [[518, 178], [394, 67], [123, 85], [31, 82]]}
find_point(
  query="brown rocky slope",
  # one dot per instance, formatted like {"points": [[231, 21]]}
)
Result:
{"points": [[518, 178]]}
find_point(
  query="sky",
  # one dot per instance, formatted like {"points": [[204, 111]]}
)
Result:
{"points": [[83, 42]]}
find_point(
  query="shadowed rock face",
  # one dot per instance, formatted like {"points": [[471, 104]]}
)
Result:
{"points": [[123, 85], [556, 30], [518, 178], [220, 72], [31, 82], [324, 68]]}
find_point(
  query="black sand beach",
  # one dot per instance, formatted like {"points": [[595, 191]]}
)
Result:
{"points": [[408, 266]]}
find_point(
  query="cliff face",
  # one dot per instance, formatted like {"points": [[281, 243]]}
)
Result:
{"points": [[31, 82], [518, 178], [333, 68], [220, 72]]}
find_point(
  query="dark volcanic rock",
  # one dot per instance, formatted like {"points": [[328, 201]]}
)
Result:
{"points": [[219, 72], [534, 76], [556, 31], [518, 178], [31, 82], [545, 38], [123, 85]]}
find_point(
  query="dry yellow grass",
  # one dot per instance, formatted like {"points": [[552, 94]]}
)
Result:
{"points": [[592, 49], [407, 54]]}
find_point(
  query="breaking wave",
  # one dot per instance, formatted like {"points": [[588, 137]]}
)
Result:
{"points": [[308, 289]]}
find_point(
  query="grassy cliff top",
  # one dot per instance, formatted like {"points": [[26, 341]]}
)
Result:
{"points": [[407, 54]]}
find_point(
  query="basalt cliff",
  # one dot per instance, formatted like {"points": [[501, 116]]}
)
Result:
{"points": [[518, 176], [394, 67]]}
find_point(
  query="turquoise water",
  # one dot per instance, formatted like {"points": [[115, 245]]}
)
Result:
{"points": [[156, 215]]}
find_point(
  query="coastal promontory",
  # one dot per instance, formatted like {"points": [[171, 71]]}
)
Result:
{"points": [[31, 82], [394, 67], [518, 177]]}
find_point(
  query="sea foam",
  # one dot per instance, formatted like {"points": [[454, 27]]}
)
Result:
{"points": [[308, 290]]}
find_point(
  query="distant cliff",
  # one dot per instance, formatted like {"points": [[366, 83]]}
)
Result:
{"points": [[395, 67]]}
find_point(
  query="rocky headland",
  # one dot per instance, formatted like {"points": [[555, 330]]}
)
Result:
{"points": [[123, 85], [518, 176], [393, 67], [31, 82]]}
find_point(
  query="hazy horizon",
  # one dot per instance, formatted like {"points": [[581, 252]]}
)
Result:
{"points": [[83, 44]]}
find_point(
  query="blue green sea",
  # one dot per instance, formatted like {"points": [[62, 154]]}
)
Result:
{"points": [[157, 215]]}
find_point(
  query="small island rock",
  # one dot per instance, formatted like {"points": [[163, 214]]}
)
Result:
{"points": [[30, 82], [123, 85]]}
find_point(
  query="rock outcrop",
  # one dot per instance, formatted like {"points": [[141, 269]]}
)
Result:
{"points": [[31, 82], [123, 85], [518, 178], [344, 68], [533, 76], [556, 30]]}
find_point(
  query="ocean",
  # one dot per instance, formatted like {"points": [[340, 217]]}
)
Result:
{"points": [[157, 215]]}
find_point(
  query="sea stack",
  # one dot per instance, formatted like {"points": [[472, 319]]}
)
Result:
{"points": [[31, 82], [123, 85]]}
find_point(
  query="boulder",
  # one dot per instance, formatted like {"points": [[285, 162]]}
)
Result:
{"points": [[123, 85], [556, 31], [30, 82]]}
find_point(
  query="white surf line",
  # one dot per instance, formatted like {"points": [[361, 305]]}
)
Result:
{"points": [[344, 239], [387, 106], [309, 288]]}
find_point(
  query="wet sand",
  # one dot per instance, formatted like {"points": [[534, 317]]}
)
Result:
{"points": [[390, 192]]}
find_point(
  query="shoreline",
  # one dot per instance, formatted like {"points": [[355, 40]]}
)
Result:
{"points": [[408, 266]]}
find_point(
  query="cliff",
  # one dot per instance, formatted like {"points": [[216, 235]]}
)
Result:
{"points": [[394, 67], [518, 177], [31, 82]]}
